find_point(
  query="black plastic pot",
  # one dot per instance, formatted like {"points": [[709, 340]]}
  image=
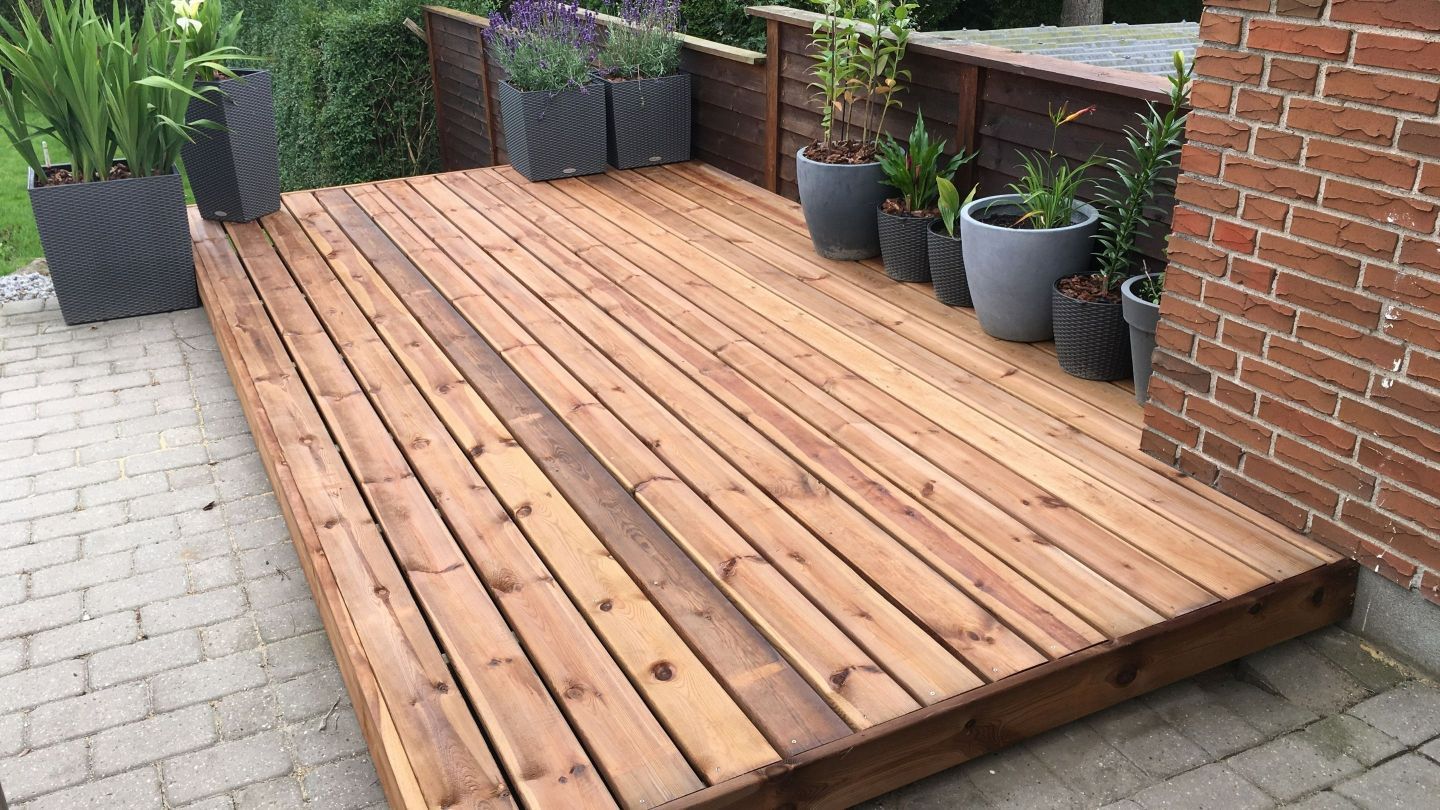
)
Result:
{"points": [[552, 135], [649, 121], [117, 248], [1091, 338], [947, 266], [903, 245], [235, 171], [1142, 316]]}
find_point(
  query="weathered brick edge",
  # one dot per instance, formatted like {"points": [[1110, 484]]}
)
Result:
{"points": [[1299, 359]]}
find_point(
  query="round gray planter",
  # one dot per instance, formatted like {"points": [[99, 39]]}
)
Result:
{"points": [[839, 201], [1011, 271], [234, 171], [903, 245], [1142, 317]]}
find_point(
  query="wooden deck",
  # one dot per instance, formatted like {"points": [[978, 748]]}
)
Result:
{"points": [[612, 493]]}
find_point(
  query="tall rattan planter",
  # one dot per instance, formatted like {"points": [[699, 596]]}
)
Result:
{"points": [[235, 171], [118, 248], [1092, 340], [947, 267], [903, 246], [552, 135], [649, 121]]}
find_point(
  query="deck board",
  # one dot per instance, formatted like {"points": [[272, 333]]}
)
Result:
{"points": [[611, 492]]}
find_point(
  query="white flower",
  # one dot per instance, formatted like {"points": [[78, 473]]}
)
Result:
{"points": [[186, 9], [189, 22]]}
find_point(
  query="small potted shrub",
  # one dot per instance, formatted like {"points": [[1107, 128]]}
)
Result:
{"points": [[233, 164], [905, 220], [1018, 245], [114, 93], [946, 251], [1091, 338], [1140, 301], [648, 98], [857, 74], [552, 107]]}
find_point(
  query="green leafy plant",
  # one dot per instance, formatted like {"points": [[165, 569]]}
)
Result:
{"points": [[1048, 184], [645, 43], [1151, 287], [913, 171], [1146, 165], [947, 198], [857, 47], [103, 88]]}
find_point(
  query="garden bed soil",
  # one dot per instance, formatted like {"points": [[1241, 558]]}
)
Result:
{"points": [[895, 206], [1090, 289], [62, 176], [842, 152]]}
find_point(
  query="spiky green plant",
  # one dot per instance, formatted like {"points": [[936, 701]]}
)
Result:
{"points": [[913, 170]]}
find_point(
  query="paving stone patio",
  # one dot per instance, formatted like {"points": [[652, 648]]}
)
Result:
{"points": [[159, 647]]}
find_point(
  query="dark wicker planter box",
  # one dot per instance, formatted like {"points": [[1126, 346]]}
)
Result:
{"points": [[118, 248], [947, 266], [1092, 340], [235, 172], [649, 121], [903, 246], [552, 135]]}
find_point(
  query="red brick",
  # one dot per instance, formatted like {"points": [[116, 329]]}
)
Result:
{"points": [[1347, 340], [1234, 395], [1207, 196], [1400, 53], [1262, 499], [1402, 468], [1381, 206], [1221, 28], [1234, 237], [1157, 446], [1420, 511], [1197, 466], [1420, 138], [1412, 400], [1166, 394], [1389, 532], [1382, 90], [1183, 372], [1190, 222], [1251, 274], [1243, 337], [1417, 289], [1260, 311], [1210, 96], [1315, 429], [1361, 163], [1319, 41], [1215, 357], [1344, 476], [1420, 252], [1208, 129], [1277, 145], [1425, 368], [1293, 76], [1373, 557], [1309, 259], [1343, 233], [1291, 483], [1317, 365], [1270, 178], [1242, 430], [1198, 160], [1264, 211], [1277, 381], [1179, 281], [1258, 106], [1430, 179], [1231, 66], [1300, 8], [1415, 15], [1169, 335], [1222, 450], [1342, 122], [1180, 430], [1412, 327], [1197, 256], [1383, 426], [1317, 296]]}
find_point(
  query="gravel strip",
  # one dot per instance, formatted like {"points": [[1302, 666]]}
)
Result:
{"points": [[25, 286]]}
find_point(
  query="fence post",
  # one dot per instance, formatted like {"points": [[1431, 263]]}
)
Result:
{"points": [[967, 128], [772, 105], [442, 137], [489, 105]]}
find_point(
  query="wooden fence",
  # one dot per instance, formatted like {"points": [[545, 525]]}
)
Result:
{"points": [[754, 111]]}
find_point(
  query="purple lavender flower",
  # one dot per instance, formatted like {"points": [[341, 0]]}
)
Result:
{"points": [[544, 44]]}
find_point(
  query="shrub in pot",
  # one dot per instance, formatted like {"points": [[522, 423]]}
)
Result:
{"points": [[904, 221], [1017, 246], [552, 107], [233, 162], [944, 248], [114, 92], [858, 46], [1127, 312], [647, 97]]}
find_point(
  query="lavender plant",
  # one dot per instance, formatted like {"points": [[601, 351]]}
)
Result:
{"points": [[544, 44], [646, 45]]}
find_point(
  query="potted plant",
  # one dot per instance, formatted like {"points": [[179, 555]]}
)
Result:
{"points": [[1140, 301], [114, 93], [1092, 340], [232, 163], [551, 105], [944, 248], [904, 221], [1018, 245], [857, 77], [647, 97]]}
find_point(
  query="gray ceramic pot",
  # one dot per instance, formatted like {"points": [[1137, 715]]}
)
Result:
{"points": [[1011, 271], [1142, 316], [839, 201], [117, 248]]}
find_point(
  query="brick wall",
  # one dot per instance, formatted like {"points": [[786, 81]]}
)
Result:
{"points": [[1299, 360]]}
